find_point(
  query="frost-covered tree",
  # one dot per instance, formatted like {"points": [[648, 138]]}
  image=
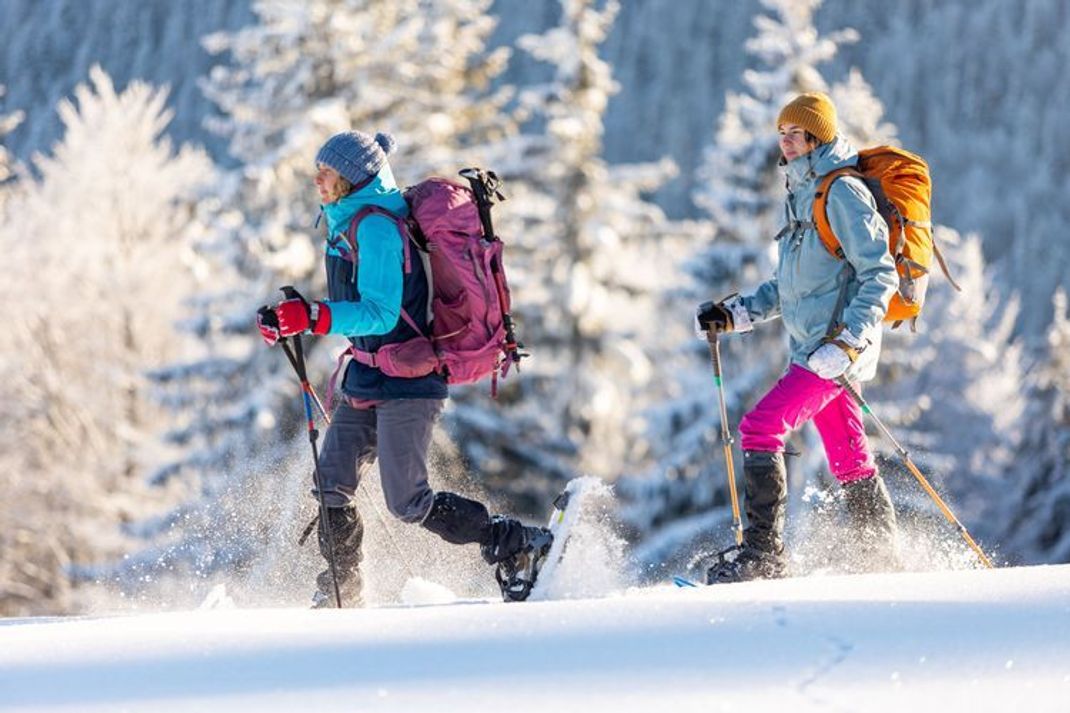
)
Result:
{"points": [[590, 256], [114, 200], [738, 186], [96, 244], [303, 72], [1033, 505], [951, 393], [8, 122]]}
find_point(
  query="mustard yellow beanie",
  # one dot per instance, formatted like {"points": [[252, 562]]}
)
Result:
{"points": [[813, 112]]}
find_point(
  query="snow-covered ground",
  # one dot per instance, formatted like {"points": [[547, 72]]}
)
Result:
{"points": [[952, 641]]}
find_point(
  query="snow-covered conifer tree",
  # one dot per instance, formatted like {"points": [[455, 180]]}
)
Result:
{"points": [[1031, 502], [739, 186], [590, 258], [96, 244], [114, 200]]}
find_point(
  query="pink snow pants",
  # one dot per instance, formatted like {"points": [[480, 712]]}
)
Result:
{"points": [[799, 396]]}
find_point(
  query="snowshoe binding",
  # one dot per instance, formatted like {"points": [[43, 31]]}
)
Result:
{"points": [[743, 564], [517, 573]]}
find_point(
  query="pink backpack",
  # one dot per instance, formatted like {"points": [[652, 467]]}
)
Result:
{"points": [[471, 330]]}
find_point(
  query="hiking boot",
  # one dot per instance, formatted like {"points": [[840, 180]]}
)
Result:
{"points": [[743, 564], [765, 501], [347, 533], [871, 518], [349, 587]]}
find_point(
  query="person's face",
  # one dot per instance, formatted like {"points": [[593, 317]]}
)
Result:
{"points": [[793, 142], [328, 184]]}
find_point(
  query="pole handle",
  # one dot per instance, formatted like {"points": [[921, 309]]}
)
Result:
{"points": [[291, 293]]}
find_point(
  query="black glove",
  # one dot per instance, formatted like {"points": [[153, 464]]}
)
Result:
{"points": [[713, 317], [267, 321]]}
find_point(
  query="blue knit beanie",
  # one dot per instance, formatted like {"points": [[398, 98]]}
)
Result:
{"points": [[355, 155]]}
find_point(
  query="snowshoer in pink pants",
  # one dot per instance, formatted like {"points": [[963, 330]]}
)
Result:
{"points": [[832, 309]]}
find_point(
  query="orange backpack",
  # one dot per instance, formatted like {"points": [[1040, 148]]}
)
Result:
{"points": [[902, 188]]}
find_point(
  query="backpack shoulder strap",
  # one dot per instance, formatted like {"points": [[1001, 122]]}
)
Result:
{"points": [[821, 218], [401, 223], [832, 243], [406, 237]]}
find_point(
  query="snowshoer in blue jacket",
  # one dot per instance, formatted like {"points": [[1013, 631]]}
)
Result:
{"points": [[381, 417], [835, 333]]}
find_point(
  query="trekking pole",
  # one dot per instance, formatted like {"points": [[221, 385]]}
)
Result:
{"points": [[726, 433], [298, 363], [371, 501], [297, 360], [917, 473]]}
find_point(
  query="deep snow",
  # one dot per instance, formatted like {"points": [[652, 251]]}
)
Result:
{"points": [[969, 640]]}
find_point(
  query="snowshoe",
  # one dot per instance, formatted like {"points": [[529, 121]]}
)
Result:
{"points": [[516, 574], [531, 572], [349, 587], [744, 564]]}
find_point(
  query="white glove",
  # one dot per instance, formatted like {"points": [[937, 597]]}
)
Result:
{"points": [[734, 311], [740, 316], [832, 359], [829, 361]]}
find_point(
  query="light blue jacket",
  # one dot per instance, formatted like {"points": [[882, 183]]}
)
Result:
{"points": [[808, 278]]}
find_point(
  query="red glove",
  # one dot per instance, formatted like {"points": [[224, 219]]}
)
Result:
{"points": [[297, 316]]}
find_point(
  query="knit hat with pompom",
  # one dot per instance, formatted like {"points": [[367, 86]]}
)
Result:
{"points": [[356, 155]]}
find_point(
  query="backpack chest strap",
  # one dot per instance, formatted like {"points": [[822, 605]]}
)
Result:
{"points": [[795, 226]]}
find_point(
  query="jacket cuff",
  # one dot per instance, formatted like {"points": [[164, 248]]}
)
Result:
{"points": [[319, 318], [741, 321]]}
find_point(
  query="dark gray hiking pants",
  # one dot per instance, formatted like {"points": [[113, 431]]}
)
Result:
{"points": [[398, 432]]}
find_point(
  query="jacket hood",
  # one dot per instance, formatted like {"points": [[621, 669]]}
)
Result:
{"points": [[825, 159], [381, 191]]}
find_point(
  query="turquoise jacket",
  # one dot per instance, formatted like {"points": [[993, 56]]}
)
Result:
{"points": [[379, 279], [808, 278], [367, 291]]}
